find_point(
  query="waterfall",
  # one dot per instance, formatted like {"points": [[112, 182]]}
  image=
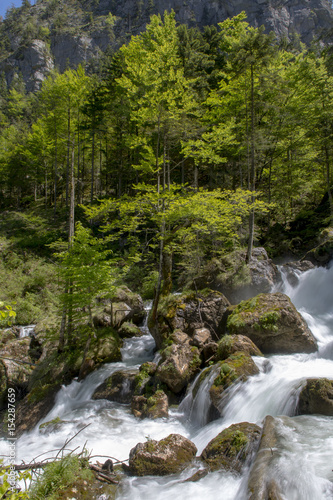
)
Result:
{"points": [[303, 464]]}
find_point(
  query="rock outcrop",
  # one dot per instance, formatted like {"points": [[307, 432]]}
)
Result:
{"points": [[272, 322], [167, 456], [67, 34]]}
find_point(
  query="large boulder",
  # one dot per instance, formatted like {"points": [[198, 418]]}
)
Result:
{"points": [[316, 397], [232, 447], [168, 456], [119, 387], [189, 313], [179, 364], [272, 322], [236, 368]]}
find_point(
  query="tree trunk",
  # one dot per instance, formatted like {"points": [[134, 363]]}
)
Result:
{"points": [[252, 175]]}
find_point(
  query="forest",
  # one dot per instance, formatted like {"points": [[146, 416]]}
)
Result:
{"points": [[160, 169]]}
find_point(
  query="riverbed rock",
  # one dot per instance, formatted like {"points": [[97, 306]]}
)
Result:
{"points": [[229, 344], [126, 306], [232, 447], [272, 322], [129, 330], [134, 301], [179, 364], [292, 270], [156, 406], [104, 349], [316, 397], [119, 387], [236, 368], [167, 456], [189, 312], [145, 381]]}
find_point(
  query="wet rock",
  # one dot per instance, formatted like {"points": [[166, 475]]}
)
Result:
{"points": [[272, 322], [156, 406], [316, 397], [51, 426], [145, 381], [188, 313], [197, 476], [119, 387], [229, 344], [292, 270], [232, 447], [179, 364], [160, 458], [236, 368]]}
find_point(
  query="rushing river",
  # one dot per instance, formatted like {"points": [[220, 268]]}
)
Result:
{"points": [[303, 466]]}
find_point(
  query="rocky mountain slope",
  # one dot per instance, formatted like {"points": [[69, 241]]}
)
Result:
{"points": [[59, 33]]}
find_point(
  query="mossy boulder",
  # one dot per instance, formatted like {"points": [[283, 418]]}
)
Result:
{"points": [[103, 349], [188, 313], [159, 458], [232, 447], [316, 397], [179, 364], [229, 344], [272, 322], [145, 380], [156, 406], [129, 330], [119, 387], [236, 368]]}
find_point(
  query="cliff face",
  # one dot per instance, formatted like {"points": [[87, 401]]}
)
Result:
{"points": [[55, 33]]}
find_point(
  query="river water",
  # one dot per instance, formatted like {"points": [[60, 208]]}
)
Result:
{"points": [[304, 462]]}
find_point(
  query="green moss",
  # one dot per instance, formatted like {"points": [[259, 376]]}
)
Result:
{"points": [[255, 311]]}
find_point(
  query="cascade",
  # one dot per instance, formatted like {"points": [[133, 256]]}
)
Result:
{"points": [[303, 465]]}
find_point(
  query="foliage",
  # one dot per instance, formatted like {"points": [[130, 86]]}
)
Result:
{"points": [[6, 486], [60, 475]]}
